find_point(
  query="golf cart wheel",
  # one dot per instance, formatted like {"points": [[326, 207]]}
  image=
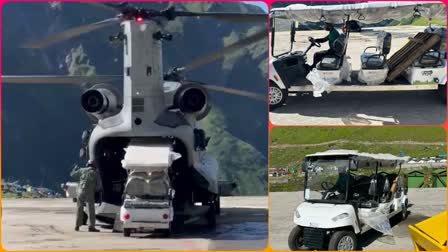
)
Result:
{"points": [[277, 96], [211, 216], [404, 211], [164, 232], [295, 239], [442, 92], [126, 232], [343, 240]]}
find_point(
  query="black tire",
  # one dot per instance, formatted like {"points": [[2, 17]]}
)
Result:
{"points": [[404, 211], [126, 232], [442, 93], [211, 216], [281, 96], [295, 238], [341, 236], [165, 233]]}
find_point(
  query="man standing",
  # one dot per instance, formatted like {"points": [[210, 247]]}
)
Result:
{"points": [[331, 37], [86, 194]]}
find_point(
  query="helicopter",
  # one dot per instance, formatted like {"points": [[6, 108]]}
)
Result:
{"points": [[156, 110]]}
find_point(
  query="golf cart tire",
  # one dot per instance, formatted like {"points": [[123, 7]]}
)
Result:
{"points": [[337, 236], [165, 233], [284, 93], [442, 92], [404, 211], [126, 232], [295, 238]]}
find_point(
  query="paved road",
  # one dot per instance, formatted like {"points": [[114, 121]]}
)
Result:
{"points": [[359, 108], [424, 203], [362, 108], [47, 224]]}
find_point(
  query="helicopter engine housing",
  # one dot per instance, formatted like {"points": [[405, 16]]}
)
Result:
{"points": [[100, 102], [192, 99]]}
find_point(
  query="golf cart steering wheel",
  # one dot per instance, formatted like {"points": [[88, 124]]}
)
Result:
{"points": [[327, 185], [313, 42]]}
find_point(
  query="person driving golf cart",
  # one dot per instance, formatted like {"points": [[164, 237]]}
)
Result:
{"points": [[341, 183], [331, 37]]}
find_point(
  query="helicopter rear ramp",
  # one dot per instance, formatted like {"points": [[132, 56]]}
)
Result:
{"points": [[404, 57]]}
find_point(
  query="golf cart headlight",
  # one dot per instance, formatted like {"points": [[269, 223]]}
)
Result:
{"points": [[340, 217], [296, 214]]}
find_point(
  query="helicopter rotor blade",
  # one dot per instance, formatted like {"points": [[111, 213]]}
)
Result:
{"points": [[232, 17], [237, 92], [210, 57], [58, 79], [108, 6], [70, 33]]}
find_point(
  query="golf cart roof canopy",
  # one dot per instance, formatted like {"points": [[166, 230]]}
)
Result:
{"points": [[368, 12], [364, 160]]}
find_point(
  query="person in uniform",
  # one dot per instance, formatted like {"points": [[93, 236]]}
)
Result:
{"points": [[88, 183]]}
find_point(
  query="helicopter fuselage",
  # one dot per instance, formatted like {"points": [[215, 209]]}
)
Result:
{"points": [[147, 114]]}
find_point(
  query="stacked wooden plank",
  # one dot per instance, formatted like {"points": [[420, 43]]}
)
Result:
{"points": [[404, 57]]}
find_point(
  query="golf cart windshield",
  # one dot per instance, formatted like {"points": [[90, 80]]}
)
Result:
{"points": [[327, 179], [277, 52]]}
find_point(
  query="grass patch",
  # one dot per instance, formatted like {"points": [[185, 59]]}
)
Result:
{"points": [[292, 157], [421, 21], [311, 135], [424, 82], [9, 195]]}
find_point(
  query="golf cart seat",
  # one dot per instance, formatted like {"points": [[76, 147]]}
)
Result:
{"points": [[140, 185], [431, 58], [334, 61], [377, 59]]}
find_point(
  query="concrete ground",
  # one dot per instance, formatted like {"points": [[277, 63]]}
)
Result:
{"points": [[423, 204], [48, 224], [358, 108]]}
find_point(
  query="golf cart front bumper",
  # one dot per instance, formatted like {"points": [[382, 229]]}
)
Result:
{"points": [[314, 238], [326, 216]]}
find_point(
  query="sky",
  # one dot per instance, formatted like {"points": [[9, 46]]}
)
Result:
{"points": [[259, 4]]}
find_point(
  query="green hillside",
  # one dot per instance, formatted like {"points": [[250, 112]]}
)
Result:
{"points": [[299, 141], [422, 21]]}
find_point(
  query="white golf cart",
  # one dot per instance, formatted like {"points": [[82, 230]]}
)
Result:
{"points": [[346, 194], [419, 65]]}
